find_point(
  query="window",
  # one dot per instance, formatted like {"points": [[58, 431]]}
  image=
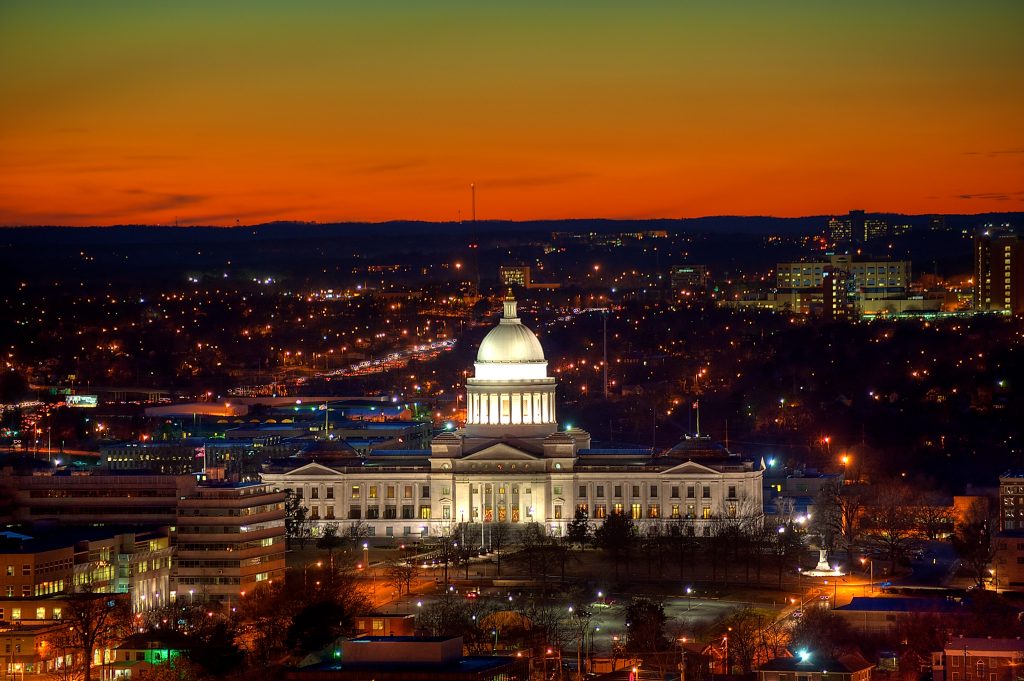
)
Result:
{"points": [[314, 493], [40, 613], [446, 491], [636, 491], [558, 511], [391, 492], [557, 489], [58, 613], [425, 492], [330, 491], [690, 493], [446, 512], [653, 511], [731, 509], [732, 491], [354, 513], [407, 512], [390, 512], [10, 592], [329, 513], [583, 492], [407, 492], [617, 491], [599, 511], [15, 613], [298, 493], [10, 570], [26, 591], [706, 494], [26, 570], [314, 513], [583, 508], [617, 509], [355, 492], [372, 512], [691, 511], [424, 513], [378, 625], [373, 492], [675, 511], [635, 512], [654, 492], [675, 491], [706, 513], [599, 491]]}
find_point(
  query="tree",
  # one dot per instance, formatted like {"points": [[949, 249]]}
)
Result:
{"points": [[93, 621], [500, 535], [750, 638], [890, 517], [838, 518], [972, 541], [616, 537], [330, 541], [578, 531], [645, 630], [296, 520], [401, 574], [822, 631]]}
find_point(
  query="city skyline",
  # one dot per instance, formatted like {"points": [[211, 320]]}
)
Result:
{"points": [[327, 112]]}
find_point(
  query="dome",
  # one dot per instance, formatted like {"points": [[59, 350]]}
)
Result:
{"points": [[510, 341]]}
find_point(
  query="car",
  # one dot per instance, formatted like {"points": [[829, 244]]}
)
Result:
{"points": [[472, 594]]}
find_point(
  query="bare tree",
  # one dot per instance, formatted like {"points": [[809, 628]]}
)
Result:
{"points": [[890, 520], [972, 541], [93, 620], [401, 574], [501, 536]]}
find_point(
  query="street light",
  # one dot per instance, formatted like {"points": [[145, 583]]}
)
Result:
{"points": [[689, 598], [871, 567]]}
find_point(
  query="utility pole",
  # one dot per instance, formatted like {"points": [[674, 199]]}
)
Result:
{"points": [[605, 329]]}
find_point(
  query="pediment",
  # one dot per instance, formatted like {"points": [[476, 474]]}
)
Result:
{"points": [[500, 451], [313, 469], [691, 467]]}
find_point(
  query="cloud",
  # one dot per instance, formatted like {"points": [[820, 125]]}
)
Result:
{"points": [[994, 196], [997, 152]]}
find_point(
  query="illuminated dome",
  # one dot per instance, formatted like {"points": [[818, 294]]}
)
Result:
{"points": [[510, 340], [510, 393]]}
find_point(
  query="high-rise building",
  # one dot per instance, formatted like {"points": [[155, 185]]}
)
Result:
{"points": [[688, 278], [518, 275], [839, 230], [875, 228], [999, 272]]}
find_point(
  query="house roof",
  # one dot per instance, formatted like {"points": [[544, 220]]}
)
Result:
{"points": [[847, 664], [994, 645], [899, 604]]}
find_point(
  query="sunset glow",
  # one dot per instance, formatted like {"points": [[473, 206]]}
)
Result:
{"points": [[212, 113]]}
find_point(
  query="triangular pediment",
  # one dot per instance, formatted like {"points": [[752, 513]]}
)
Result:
{"points": [[312, 469], [500, 451], [691, 467]]}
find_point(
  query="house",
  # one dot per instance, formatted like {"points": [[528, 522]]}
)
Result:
{"points": [[979, 659], [809, 666]]}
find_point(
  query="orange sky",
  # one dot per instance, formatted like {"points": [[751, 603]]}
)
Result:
{"points": [[208, 113]]}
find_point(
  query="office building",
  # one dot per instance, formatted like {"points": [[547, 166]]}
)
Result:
{"points": [[999, 272]]}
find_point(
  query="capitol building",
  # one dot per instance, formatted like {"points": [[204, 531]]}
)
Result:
{"points": [[512, 464]]}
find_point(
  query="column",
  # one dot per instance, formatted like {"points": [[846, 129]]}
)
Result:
{"points": [[544, 408], [516, 408]]}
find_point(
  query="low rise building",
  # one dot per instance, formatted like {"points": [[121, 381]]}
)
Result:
{"points": [[979, 659], [228, 538], [411, 658], [813, 666]]}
